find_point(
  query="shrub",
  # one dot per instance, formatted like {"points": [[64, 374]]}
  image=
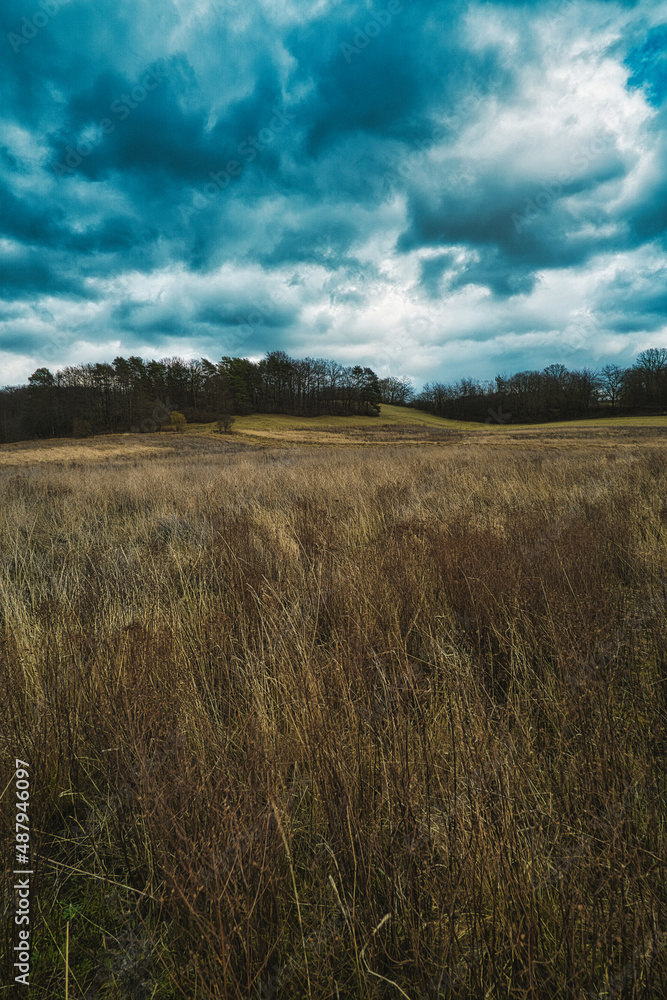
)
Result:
{"points": [[225, 423], [177, 421]]}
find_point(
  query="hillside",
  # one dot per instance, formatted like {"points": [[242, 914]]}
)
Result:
{"points": [[400, 424], [396, 425]]}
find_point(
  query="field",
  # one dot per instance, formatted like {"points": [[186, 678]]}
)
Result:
{"points": [[355, 709]]}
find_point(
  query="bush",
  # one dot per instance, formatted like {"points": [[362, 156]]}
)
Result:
{"points": [[225, 423], [177, 421]]}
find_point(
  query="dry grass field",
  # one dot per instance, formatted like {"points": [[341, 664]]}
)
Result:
{"points": [[381, 718]]}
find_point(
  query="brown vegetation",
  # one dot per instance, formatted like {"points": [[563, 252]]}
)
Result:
{"points": [[342, 722]]}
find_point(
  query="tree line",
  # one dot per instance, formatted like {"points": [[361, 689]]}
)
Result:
{"points": [[137, 395], [134, 394], [555, 393]]}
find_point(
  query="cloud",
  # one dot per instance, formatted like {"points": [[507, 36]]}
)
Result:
{"points": [[433, 188], [648, 62]]}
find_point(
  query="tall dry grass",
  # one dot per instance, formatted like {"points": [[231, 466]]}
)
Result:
{"points": [[326, 723]]}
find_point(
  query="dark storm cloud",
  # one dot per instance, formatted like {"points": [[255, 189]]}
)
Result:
{"points": [[21, 343], [647, 291], [239, 314], [518, 225], [347, 152], [26, 273], [143, 318]]}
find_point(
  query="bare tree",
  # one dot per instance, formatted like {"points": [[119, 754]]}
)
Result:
{"points": [[611, 381]]}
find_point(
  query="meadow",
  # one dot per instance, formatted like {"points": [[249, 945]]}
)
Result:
{"points": [[349, 710]]}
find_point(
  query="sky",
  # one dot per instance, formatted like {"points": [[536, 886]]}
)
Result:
{"points": [[432, 188]]}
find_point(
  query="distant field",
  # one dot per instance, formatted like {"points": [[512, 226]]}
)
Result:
{"points": [[111, 448], [388, 415], [403, 415], [327, 429], [396, 425]]}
